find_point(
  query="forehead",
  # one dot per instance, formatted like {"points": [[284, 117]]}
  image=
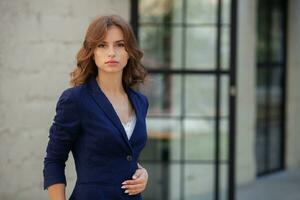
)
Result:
{"points": [[113, 33]]}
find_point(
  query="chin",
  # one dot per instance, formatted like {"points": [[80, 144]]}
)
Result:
{"points": [[110, 70]]}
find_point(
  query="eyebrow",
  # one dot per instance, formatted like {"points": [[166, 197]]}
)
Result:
{"points": [[115, 41]]}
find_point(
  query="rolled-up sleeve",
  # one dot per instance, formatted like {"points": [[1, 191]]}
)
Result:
{"points": [[63, 131]]}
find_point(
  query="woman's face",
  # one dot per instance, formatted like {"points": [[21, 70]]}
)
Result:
{"points": [[110, 55]]}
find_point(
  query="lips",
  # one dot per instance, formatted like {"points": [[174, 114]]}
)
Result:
{"points": [[111, 62]]}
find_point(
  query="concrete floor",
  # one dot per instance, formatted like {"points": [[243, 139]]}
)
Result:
{"points": [[280, 186]]}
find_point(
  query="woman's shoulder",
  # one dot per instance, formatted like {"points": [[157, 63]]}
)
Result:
{"points": [[72, 93]]}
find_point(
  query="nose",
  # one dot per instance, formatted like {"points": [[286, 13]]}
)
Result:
{"points": [[111, 52]]}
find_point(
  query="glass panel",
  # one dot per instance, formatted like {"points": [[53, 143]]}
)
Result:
{"points": [[201, 11], [276, 93], [161, 41], [226, 11], [262, 73], [161, 46], [260, 147], [224, 96], [199, 139], [225, 48], [262, 32], [164, 182], [277, 35], [275, 144], [198, 182], [163, 140], [159, 11], [200, 95], [164, 94], [261, 104], [224, 126], [275, 104], [175, 182], [223, 181], [277, 81], [261, 93], [200, 47], [277, 76], [275, 118], [155, 182], [270, 50]]}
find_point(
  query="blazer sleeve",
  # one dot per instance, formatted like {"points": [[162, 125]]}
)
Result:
{"points": [[62, 133]]}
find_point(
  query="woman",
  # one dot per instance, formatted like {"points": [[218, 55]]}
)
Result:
{"points": [[101, 119]]}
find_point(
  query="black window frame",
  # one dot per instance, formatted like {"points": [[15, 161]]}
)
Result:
{"points": [[230, 72]]}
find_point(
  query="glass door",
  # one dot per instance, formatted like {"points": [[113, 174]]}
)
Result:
{"points": [[187, 48], [270, 92]]}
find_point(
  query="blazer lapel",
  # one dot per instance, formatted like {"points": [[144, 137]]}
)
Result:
{"points": [[108, 109], [136, 107]]}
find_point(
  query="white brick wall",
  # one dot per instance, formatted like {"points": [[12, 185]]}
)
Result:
{"points": [[39, 41]]}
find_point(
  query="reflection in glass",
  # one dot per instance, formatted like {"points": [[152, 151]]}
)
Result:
{"points": [[174, 181], [270, 86], [224, 96], [223, 181], [276, 94], [163, 140], [164, 182], [261, 93], [262, 33], [260, 147], [161, 46], [277, 35], [200, 47], [198, 181], [275, 147], [224, 131], [155, 184], [225, 48], [160, 11], [201, 11], [184, 161], [226, 11], [269, 117], [199, 139], [200, 96], [164, 94]]}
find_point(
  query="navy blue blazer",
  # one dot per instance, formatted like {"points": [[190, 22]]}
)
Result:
{"points": [[87, 125]]}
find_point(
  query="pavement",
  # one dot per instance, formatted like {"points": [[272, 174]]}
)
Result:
{"points": [[279, 186]]}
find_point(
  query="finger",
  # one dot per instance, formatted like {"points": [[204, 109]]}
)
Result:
{"points": [[142, 178], [133, 187], [137, 173], [134, 182], [135, 192]]}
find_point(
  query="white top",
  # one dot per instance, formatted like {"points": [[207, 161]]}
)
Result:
{"points": [[129, 126]]}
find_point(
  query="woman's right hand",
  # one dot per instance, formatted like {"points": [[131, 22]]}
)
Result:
{"points": [[138, 182]]}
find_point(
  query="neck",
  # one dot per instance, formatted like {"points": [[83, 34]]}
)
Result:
{"points": [[110, 82]]}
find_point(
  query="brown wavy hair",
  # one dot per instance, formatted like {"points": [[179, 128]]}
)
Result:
{"points": [[134, 72]]}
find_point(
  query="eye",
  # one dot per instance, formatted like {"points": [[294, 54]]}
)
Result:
{"points": [[101, 45], [121, 45]]}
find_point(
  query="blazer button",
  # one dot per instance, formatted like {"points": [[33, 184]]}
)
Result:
{"points": [[129, 158]]}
